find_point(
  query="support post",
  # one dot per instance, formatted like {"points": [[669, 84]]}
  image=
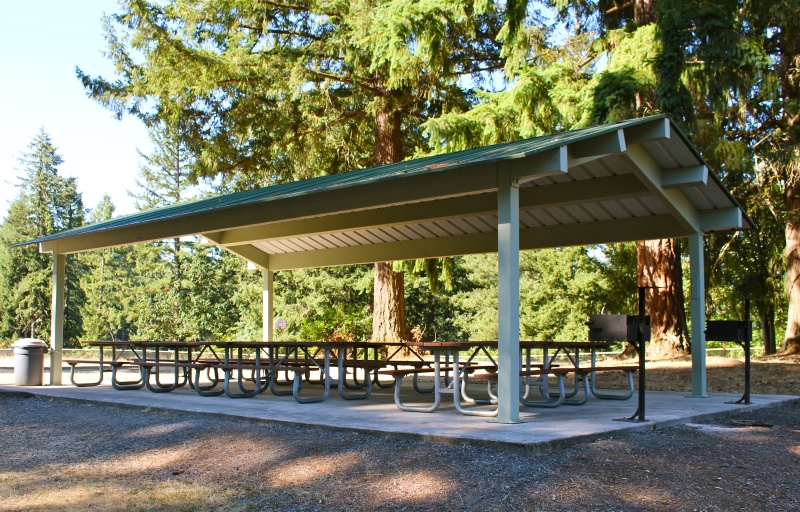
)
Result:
{"points": [[268, 295], [57, 318], [698, 309], [508, 298]]}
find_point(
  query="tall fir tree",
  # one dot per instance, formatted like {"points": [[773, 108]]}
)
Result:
{"points": [[108, 283], [165, 178], [47, 203], [283, 91]]}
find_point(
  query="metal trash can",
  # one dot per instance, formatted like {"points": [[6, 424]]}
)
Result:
{"points": [[29, 361]]}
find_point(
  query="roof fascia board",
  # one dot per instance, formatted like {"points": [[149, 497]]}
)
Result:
{"points": [[534, 238], [447, 183], [721, 219], [685, 177], [546, 196], [651, 172], [545, 163]]}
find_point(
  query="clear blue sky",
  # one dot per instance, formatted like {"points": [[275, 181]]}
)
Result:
{"points": [[41, 42]]}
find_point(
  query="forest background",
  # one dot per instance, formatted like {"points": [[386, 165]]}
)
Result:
{"points": [[238, 94]]}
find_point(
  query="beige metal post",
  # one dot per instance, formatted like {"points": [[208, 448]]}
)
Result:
{"points": [[57, 319], [698, 309], [508, 297]]}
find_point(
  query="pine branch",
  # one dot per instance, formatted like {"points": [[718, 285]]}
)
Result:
{"points": [[617, 8], [337, 121]]}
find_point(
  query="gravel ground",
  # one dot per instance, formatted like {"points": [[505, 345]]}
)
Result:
{"points": [[64, 455]]}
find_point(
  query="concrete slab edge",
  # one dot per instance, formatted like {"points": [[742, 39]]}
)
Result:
{"points": [[534, 448]]}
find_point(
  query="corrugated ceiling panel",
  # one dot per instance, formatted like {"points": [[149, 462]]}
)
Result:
{"points": [[373, 236], [343, 240], [660, 153], [544, 217], [315, 242], [437, 228], [355, 238], [424, 230], [528, 220], [325, 241], [616, 209], [464, 226], [617, 165], [486, 223], [268, 248], [634, 206], [698, 199], [409, 232], [578, 213], [395, 234], [597, 211], [561, 215]]}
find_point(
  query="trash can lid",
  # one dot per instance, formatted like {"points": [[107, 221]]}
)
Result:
{"points": [[29, 343]]}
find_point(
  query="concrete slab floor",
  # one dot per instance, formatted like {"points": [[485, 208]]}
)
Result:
{"points": [[541, 430]]}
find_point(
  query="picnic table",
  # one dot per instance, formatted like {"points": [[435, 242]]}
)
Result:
{"points": [[119, 358], [447, 359], [302, 358]]}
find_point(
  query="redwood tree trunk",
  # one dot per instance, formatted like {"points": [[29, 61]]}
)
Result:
{"points": [[644, 11], [789, 42], [659, 269], [791, 342], [388, 307], [388, 314]]}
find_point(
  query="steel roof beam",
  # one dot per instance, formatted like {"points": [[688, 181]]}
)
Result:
{"points": [[599, 145], [658, 129], [652, 174], [545, 196], [537, 165], [453, 182], [618, 230]]}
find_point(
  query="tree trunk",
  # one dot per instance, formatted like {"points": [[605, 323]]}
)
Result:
{"points": [[644, 12], [789, 43], [659, 269], [388, 314], [388, 307], [768, 330], [791, 342]]}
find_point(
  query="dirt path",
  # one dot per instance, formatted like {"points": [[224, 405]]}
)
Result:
{"points": [[60, 455]]}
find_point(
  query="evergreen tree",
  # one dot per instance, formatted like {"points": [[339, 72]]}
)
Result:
{"points": [[737, 61], [282, 91], [108, 285], [47, 203], [165, 178], [559, 289]]}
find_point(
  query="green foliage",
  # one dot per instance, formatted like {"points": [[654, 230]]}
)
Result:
{"points": [[326, 303], [559, 289], [429, 311], [277, 92], [46, 203], [108, 285], [259, 93]]}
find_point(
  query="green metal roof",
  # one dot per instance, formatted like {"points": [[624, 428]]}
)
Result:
{"points": [[431, 164], [630, 180]]}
